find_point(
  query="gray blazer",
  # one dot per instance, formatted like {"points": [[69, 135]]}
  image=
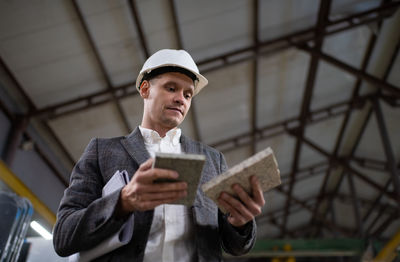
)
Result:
{"points": [[84, 218]]}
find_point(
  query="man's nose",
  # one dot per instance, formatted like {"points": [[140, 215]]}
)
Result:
{"points": [[179, 98]]}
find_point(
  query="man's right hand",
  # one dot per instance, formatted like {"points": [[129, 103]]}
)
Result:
{"points": [[142, 194]]}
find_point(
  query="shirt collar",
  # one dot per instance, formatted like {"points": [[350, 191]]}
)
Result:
{"points": [[152, 137]]}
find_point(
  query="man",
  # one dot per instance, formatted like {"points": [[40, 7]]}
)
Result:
{"points": [[162, 232]]}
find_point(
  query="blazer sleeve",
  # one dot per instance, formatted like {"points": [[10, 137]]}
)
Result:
{"points": [[235, 241], [84, 218]]}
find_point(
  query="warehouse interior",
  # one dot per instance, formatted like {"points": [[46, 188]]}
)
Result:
{"points": [[318, 81]]}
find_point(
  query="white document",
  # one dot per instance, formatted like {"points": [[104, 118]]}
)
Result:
{"points": [[122, 237]]}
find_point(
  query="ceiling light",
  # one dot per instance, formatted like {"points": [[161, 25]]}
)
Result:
{"points": [[41, 230]]}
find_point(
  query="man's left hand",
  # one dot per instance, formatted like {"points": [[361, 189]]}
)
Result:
{"points": [[247, 208]]}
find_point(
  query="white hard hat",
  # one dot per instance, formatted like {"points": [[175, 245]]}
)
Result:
{"points": [[174, 61]]}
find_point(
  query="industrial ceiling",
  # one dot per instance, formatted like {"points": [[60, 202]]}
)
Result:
{"points": [[318, 81]]}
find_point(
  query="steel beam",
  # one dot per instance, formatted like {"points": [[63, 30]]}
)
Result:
{"points": [[14, 138], [50, 164], [273, 222], [300, 205], [6, 112], [207, 65], [385, 224], [357, 140], [333, 217], [296, 207], [254, 106], [323, 14], [355, 95], [306, 172], [302, 230], [307, 204], [277, 214], [174, 13], [394, 90], [306, 35], [391, 62], [31, 107], [348, 168], [392, 102], [379, 197], [392, 98], [356, 205], [85, 102], [329, 224], [374, 164], [101, 65], [387, 147], [280, 212], [17, 137], [281, 127], [139, 27], [374, 206], [339, 139], [364, 202], [254, 85], [273, 215], [379, 210], [193, 108], [58, 141], [29, 103]]}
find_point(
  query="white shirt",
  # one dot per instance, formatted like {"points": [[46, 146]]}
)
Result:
{"points": [[171, 235]]}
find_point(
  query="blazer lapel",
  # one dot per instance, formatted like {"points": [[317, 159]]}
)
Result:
{"points": [[189, 146], [134, 145]]}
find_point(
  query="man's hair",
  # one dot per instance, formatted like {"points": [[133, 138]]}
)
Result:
{"points": [[167, 69]]}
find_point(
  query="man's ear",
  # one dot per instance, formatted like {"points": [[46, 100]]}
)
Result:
{"points": [[144, 89]]}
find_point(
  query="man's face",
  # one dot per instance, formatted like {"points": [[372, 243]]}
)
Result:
{"points": [[167, 100]]}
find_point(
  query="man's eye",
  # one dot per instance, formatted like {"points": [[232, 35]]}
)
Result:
{"points": [[171, 89], [188, 96]]}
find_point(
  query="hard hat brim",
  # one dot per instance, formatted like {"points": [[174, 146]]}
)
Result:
{"points": [[202, 81]]}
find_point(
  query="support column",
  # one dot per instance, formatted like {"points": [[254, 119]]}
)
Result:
{"points": [[18, 128], [387, 147]]}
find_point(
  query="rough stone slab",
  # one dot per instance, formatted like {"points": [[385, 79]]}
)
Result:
{"points": [[189, 168], [263, 165]]}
